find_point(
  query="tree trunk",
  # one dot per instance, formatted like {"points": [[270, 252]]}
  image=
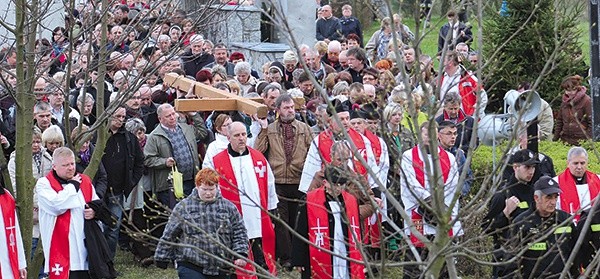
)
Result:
{"points": [[25, 31]]}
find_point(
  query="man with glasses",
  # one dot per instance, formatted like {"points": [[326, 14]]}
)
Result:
{"points": [[464, 123], [447, 134], [124, 163]]}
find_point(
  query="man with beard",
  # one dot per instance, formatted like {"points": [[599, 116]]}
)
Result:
{"points": [[285, 144], [148, 108]]}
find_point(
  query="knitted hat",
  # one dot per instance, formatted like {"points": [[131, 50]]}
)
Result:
{"points": [[278, 66], [289, 56]]}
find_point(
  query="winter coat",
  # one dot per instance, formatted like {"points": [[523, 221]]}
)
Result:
{"points": [[574, 118], [158, 148]]}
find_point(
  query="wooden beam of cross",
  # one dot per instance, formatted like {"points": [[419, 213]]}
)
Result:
{"points": [[213, 99], [210, 98]]}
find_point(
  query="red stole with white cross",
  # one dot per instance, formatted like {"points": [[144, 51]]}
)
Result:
{"points": [[60, 259], [326, 141], [7, 203], [419, 168], [230, 191], [321, 264], [569, 199]]}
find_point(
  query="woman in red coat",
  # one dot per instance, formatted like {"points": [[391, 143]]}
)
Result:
{"points": [[574, 119]]}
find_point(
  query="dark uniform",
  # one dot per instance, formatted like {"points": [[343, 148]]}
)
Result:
{"points": [[497, 224], [544, 258], [591, 239]]}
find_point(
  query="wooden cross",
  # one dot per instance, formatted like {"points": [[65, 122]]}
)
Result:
{"points": [[213, 99]]}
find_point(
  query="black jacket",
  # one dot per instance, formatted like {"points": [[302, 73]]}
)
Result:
{"points": [[467, 38], [591, 238], [194, 63], [100, 263], [495, 221], [543, 258], [134, 162]]}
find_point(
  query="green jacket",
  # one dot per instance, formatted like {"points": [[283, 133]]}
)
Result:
{"points": [[158, 149]]}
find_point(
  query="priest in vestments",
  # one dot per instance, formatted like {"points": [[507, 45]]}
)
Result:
{"points": [[319, 153], [330, 222], [578, 185], [12, 256], [247, 181], [418, 194], [62, 199]]}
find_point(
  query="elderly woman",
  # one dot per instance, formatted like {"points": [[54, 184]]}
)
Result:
{"points": [[341, 91], [243, 74], [85, 109], [574, 119], [139, 196], [83, 157], [220, 127], [377, 47], [53, 138], [41, 166]]}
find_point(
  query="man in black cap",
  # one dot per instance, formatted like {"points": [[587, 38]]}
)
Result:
{"points": [[514, 198], [545, 232]]}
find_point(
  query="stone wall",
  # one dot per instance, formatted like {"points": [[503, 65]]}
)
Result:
{"points": [[233, 24]]}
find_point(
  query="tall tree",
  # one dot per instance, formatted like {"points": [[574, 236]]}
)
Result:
{"points": [[537, 41]]}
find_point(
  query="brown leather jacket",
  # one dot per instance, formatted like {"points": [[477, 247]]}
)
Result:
{"points": [[270, 143]]}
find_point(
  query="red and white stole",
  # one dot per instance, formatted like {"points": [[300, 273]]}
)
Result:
{"points": [[321, 264], [569, 200], [60, 257], [230, 191], [419, 167], [375, 145], [467, 88], [326, 141], [9, 217]]}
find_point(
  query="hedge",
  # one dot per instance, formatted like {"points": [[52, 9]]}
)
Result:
{"points": [[481, 163]]}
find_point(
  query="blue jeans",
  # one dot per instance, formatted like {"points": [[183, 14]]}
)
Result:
{"points": [[115, 206], [188, 186], [188, 273]]}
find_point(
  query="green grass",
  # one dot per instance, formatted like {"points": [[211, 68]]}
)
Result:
{"points": [[429, 36], [130, 269]]}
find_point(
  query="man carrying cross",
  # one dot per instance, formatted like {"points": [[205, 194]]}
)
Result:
{"points": [[330, 221], [12, 254], [247, 180]]}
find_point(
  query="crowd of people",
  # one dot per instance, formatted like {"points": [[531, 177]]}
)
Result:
{"points": [[309, 186]]}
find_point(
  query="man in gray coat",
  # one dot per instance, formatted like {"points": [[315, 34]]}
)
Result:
{"points": [[171, 143]]}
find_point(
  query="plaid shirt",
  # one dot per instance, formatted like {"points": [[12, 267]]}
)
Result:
{"points": [[203, 230]]}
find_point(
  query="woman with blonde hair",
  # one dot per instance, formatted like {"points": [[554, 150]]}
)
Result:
{"points": [[53, 138], [220, 128]]}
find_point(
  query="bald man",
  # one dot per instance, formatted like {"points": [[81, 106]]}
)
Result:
{"points": [[248, 181]]}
